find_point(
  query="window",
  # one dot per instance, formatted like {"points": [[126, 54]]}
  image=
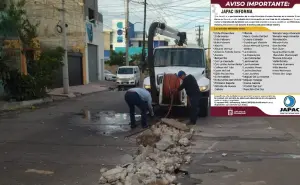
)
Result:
{"points": [[91, 15], [3, 5], [140, 43], [125, 71], [179, 57]]}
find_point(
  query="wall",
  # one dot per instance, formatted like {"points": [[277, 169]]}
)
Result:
{"points": [[46, 12], [98, 38], [107, 40]]}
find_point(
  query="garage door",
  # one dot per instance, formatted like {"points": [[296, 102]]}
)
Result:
{"points": [[75, 71], [93, 62]]}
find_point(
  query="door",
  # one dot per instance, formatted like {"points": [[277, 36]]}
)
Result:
{"points": [[75, 69], [93, 62]]}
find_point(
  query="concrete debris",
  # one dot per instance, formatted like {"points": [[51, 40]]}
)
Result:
{"points": [[224, 154], [162, 150], [102, 170], [147, 138], [165, 142], [175, 124], [127, 159], [184, 141]]}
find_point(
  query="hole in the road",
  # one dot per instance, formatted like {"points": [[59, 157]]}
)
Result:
{"points": [[179, 171], [104, 122]]}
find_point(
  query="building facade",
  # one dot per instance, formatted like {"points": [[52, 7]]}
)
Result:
{"points": [[94, 40], [84, 35], [115, 39]]}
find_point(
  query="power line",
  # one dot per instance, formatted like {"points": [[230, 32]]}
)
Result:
{"points": [[163, 4]]}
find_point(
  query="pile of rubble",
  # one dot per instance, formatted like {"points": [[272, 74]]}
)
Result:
{"points": [[163, 149]]}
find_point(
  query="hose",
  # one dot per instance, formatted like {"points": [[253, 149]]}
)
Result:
{"points": [[170, 82]]}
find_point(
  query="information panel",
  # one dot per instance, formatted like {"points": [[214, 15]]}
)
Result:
{"points": [[255, 63]]}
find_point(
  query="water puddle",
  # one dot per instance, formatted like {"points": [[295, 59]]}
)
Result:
{"points": [[105, 122]]}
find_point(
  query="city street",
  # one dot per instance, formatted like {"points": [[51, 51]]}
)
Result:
{"points": [[68, 142]]}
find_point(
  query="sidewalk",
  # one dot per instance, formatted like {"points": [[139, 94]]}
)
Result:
{"points": [[57, 94], [84, 89]]}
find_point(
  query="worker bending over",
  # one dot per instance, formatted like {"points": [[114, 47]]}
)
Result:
{"points": [[189, 83], [141, 98]]}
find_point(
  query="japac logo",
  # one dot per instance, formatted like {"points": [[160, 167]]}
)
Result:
{"points": [[289, 103]]}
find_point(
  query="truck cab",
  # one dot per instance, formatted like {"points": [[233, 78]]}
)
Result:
{"points": [[192, 60]]}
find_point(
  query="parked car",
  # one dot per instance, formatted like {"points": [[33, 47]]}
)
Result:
{"points": [[109, 76], [128, 76]]}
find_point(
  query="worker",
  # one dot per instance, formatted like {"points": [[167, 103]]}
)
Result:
{"points": [[141, 98], [189, 83]]}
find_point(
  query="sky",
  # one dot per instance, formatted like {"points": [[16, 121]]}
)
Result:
{"points": [[183, 15]]}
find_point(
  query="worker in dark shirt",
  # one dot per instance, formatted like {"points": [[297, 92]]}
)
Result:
{"points": [[189, 83]]}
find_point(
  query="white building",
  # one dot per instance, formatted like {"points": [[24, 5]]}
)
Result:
{"points": [[94, 42]]}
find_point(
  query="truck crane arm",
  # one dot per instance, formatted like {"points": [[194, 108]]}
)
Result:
{"points": [[165, 30]]}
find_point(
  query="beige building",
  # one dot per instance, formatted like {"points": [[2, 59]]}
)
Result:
{"points": [[48, 14], [84, 35], [108, 34]]}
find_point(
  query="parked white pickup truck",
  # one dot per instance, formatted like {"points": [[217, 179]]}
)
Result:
{"points": [[192, 60]]}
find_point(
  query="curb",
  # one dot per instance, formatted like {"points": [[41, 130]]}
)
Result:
{"points": [[9, 106]]}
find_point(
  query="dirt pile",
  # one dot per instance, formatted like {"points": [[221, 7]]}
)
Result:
{"points": [[163, 149]]}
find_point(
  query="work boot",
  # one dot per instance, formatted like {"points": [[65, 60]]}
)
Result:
{"points": [[145, 126], [133, 126], [191, 123]]}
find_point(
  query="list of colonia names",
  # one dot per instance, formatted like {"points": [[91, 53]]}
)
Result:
{"points": [[254, 54]]}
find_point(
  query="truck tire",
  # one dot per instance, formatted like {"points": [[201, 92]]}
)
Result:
{"points": [[203, 107]]}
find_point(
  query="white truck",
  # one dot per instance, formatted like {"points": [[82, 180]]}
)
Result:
{"points": [[192, 60]]}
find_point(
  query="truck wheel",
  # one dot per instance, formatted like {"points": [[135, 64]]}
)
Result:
{"points": [[203, 107]]}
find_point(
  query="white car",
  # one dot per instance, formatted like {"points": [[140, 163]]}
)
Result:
{"points": [[109, 76], [128, 76]]}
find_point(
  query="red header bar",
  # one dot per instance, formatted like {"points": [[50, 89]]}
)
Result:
{"points": [[256, 3]]}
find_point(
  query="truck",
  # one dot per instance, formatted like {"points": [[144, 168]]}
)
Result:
{"points": [[171, 59]]}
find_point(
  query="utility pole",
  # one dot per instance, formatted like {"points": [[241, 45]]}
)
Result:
{"points": [[65, 46], [200, 35], [144, 32], [126, 32]]}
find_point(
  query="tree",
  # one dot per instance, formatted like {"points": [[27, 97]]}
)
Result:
{"points": [[14, 20], [117, 58], [136, 58]]}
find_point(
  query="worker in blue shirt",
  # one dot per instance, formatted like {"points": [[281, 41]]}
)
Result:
{"points": [[141, 98]]}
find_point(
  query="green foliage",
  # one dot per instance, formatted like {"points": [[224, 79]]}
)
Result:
{"points": [[14, 21], [41, 76], [20, 87], [117, 58], [46, 68], [136, 58]]}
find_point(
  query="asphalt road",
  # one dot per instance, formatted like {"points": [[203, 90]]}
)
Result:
{"points": [[66, 143], [72, 140]]}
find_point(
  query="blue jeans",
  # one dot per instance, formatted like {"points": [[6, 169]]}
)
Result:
{"points": [[133, 99], [194, 109]]}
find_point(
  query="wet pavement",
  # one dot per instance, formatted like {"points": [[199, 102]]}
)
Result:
{"points": [[68, 142], [103, 123], [64, 143]]}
